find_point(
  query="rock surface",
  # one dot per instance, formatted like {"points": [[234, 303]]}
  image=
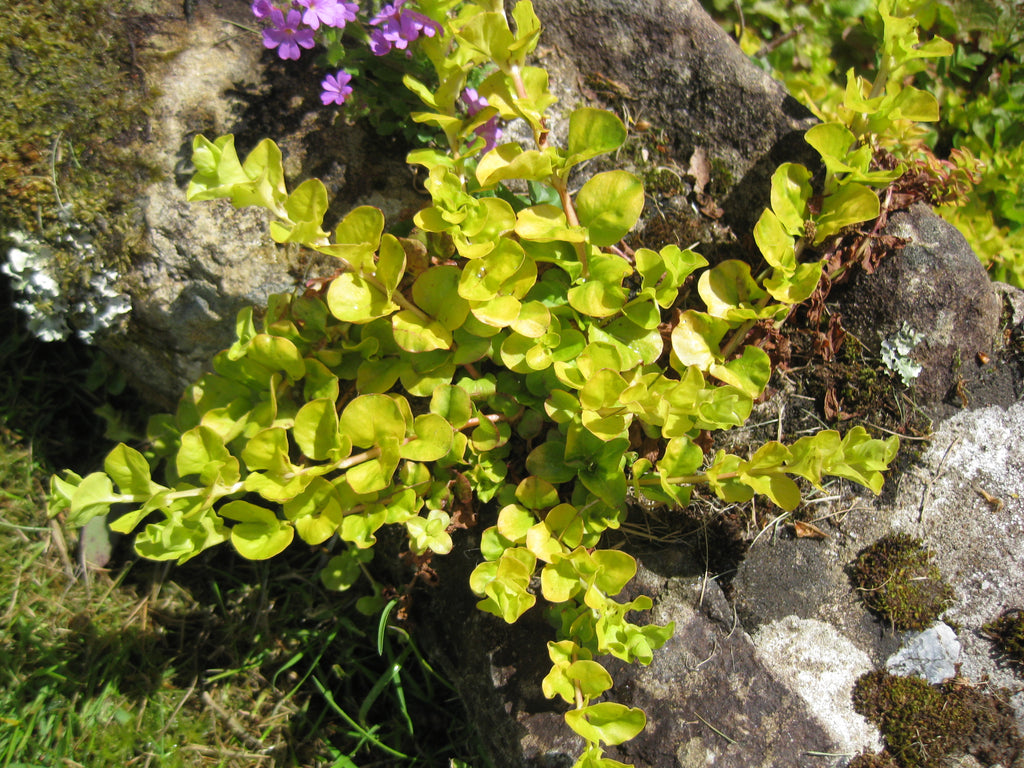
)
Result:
{"points": [[934, 286], [200, 263]]}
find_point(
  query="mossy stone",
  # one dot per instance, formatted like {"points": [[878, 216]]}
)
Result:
{"points": [[897, 579], [922, 723], [1008, 633]]}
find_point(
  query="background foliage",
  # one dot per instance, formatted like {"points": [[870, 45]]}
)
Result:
{"points": [[810, 46]]}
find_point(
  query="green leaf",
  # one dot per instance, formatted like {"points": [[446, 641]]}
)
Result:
{"points": [[429, 533], [316, 430], [499, 312], [433, 439], [593, 679], [277, 354], [504, 584], [217, 168], [92, 498], [834, 141], [615, 569], [533, 321], [915, 104], [545, 223], [566, 524], [602, 390], [796, 286], [342, 571], [483, 278], [509, 161], [375, 474], [608, 722], [258, 534], [130, 470], [268, 450], [850, 204], [682, 457], [203, 453], [352, 299], [415, 334], [369, 418], [357, 237], [535, 493], [592, 132], [305, 207], [791, 189], [489, 36], [390, 264], [664, 271], [316, 512], [258, 181], [609, 204], [602, 295], [731, 293], [189, 529], [359, 529], [749, 373], [453, 404], [514, 522], [774, 242], [696, 339], [436, 292]]}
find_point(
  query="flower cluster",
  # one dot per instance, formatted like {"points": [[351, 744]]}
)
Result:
{"points": [[396, 27], [294, 28]]}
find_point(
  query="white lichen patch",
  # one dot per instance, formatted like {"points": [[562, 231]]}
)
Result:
{"points": [[897, 350], [50, 314]]}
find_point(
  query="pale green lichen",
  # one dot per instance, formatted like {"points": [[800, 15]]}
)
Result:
{"points": [[897, 350]]}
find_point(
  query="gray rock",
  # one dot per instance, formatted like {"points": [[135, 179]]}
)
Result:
{"points": [[708, 695], [667, 62], [935, 286], [932, 654], [974, 456], [197, 264], [820, 664]]}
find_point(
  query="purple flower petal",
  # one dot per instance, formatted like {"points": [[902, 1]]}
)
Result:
{"points": [[261, 9], [286, 35], [336, 88]]}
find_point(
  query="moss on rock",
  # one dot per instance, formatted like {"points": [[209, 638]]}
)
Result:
{"points": [[77, 104], [897, 579], [1008, 633], [922, 723]]}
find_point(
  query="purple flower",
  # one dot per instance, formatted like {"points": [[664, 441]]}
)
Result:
{"points": [[396, 28], [336, 88], [286, 35], [489, 131], [474, 101], [261, 8], [332, 13]]}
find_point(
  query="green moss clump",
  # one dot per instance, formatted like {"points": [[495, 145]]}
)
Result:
{"points": [[77, 105], [1008, 633], [897, 579], [924, 723]]}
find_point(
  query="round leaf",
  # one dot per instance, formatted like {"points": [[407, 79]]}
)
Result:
{"points": [[609, 205], [257, 534]]}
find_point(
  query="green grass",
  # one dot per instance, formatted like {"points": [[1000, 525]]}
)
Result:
{"points": [[221, 662]]}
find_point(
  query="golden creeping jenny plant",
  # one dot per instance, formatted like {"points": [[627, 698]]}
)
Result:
{"points": [[410, 380]]}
